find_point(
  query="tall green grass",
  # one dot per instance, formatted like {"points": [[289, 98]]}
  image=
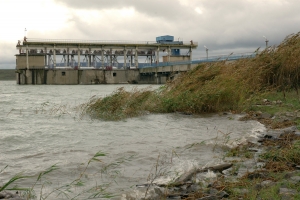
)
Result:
{"points": [[211, 87]]}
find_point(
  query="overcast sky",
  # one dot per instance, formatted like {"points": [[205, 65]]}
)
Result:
{"points": [[224, 26]]}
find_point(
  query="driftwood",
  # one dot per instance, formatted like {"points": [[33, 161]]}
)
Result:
{"points": [[186, 177]]}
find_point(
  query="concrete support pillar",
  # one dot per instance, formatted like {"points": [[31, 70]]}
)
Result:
{"points": [[27, 61], [110, 57], [90, 57], [169, 54], [136, 62], [54, 57], [157, 55], [94, 61], [45, 52], [65, 60], [78, 53], [68, 57], [102, 58], [191, 57], [156, 76], [49, 59], [72, 64], [125, 52], [131, 58]]}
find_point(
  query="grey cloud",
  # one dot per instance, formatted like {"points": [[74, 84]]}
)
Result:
{"points": [[165, 10], [224, 27], [222, 24]]}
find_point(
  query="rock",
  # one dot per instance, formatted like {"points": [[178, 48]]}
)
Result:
{"points": [[267, 183], [213, 191], [268, 136], [290, 129], [158, 191], [174, 197], [290, 114], [209, 198], [241, 191], [223, 194], [254, 149], [193, 188], [291, 174], [255, 175], [286, 191], [266, 101], [295, 179], [265, 116], [10, 196], [260, 165]]}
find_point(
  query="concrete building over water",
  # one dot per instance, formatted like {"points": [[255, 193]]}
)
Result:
{"points": [[42, 61]]}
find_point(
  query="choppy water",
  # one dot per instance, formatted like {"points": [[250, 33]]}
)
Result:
{"points": [[39, 127]]}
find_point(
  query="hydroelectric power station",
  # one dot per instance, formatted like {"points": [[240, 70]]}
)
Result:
{"points": [[60, 62]]}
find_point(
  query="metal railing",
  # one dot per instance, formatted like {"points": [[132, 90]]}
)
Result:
{"points": [[202, 60], [98, 65]]}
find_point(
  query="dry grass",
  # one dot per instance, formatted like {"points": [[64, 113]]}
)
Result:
{"points": [[212, 87]]}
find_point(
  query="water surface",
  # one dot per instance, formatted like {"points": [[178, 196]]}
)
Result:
{"points": [[40, 127]]}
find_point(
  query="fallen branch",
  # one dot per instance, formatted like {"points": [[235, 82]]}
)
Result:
{"points": [[186, 177]]}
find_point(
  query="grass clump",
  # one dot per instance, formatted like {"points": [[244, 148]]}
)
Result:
{"points": [[120, 104], [214, 87], [283, 158]]}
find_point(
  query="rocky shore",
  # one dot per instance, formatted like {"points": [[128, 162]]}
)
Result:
{"points": [[245, 173]]}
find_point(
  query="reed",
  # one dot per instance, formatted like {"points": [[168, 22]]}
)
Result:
{"points": [[211, 87], [76, 189]]}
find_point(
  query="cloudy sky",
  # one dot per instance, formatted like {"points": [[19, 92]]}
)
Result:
{"points": [[223, 26]]}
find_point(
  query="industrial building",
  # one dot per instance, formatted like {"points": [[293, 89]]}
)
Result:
{"points": [[41, 61]]}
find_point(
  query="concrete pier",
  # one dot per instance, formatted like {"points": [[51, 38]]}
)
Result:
{"points": [[74, 77]]}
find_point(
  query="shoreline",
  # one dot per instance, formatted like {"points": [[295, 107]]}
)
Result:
{"points": [[244, 170]]}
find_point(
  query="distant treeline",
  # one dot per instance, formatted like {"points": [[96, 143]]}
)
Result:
{"points": [[7, 74]]}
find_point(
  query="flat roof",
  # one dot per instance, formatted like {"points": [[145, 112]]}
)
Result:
{"points": [[98, 44]]}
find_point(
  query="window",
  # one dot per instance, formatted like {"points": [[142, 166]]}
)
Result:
{"points": [[114, 74], [63, 73]]}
